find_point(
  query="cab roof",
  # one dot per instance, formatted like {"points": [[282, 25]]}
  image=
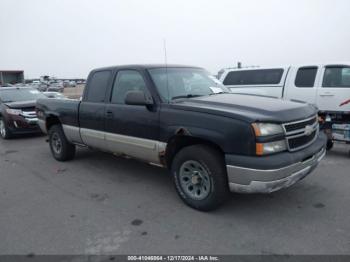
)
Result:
{"points": [[145, 66]]}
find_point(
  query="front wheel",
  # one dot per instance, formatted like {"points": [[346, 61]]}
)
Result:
{"points": [[4, 131], [61, 148], [200, 177]]}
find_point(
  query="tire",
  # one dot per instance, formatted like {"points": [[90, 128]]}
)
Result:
{"points": [[200, 177], [5, 133], [61, 148], [329, 145]]}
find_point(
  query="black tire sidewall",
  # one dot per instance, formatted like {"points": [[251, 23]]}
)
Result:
{"points": [[8, 133], [68, 149]]}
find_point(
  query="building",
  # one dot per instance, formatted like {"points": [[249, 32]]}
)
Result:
{"points": [[11, 77]]}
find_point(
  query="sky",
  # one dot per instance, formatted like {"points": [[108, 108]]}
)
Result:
{"points": [[68, 38]]}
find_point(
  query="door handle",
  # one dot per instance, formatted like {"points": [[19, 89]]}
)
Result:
{"points": [[109, 114], [327, 94]]}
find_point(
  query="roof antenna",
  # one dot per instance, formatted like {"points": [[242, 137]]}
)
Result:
{"points": [[166, 68]]}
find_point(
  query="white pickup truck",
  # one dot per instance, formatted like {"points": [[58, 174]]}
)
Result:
{"points": [[327, 86]]}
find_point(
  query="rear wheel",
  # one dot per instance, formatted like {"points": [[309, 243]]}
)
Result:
{"points": [[5, 133], [61, 148], [200, 177]]}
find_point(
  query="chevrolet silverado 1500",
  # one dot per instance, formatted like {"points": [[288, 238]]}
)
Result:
{"points": [[181, 118]]}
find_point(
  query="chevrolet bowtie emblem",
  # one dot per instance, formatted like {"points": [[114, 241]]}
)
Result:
{"points": [[308, 130]]}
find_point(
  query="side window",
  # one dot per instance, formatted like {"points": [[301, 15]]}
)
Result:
{"points": [[254, 77], [234, 78], [305, 77], [97, 86], [126, 80], [336, 76]]}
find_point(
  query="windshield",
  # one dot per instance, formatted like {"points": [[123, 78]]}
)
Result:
{"points": [[173, 83], [19, 94]]}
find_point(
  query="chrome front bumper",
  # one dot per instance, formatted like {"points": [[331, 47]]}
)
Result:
{"points": [[246, 180], [32, 121]]}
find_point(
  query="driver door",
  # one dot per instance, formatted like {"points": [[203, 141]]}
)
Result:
{"points": [[131, 129]]}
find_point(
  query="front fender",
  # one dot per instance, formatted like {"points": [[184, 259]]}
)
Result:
{"points": [[234, 140]]}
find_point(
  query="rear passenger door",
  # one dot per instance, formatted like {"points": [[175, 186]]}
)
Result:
{"points": [[132, 129], [92, 109], [302, 84]]}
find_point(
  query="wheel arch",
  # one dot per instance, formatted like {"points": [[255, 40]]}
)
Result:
{"points": [[182, 140], [52, 120]]}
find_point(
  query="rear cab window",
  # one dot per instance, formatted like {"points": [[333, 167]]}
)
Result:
{"points": [[306, 76], [336, 77], [98, 84], [254, 77]]}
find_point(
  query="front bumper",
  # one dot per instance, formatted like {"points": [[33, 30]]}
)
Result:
{"points": [[267, 180], [22, 125]]}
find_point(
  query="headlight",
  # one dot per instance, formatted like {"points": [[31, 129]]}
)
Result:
{"points": [[13, 111], [265, 129], [270, 147]]}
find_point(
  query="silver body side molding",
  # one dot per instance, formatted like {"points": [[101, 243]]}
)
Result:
{"points": [[72, 133], [140, 148]]}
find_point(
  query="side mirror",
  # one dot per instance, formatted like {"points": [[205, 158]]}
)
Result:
{"points": [[138, 98]]}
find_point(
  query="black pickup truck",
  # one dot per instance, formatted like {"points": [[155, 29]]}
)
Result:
{"points": [[182, 118]]}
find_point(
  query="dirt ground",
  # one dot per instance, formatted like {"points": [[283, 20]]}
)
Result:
{"points": [[74, 92]]}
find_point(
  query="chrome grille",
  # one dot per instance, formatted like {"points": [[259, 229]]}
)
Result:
{"points": [[300, 134], [299, 125], [29, 114]]}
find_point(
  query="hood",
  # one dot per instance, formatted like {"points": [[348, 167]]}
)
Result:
{"points": [[21, 104], [248, 108]]}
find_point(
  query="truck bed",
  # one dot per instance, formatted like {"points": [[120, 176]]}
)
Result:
{"points": [[66, 109]]}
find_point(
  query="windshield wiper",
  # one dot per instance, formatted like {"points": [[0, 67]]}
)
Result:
{"points": [[218, 93], [185, 96]]}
